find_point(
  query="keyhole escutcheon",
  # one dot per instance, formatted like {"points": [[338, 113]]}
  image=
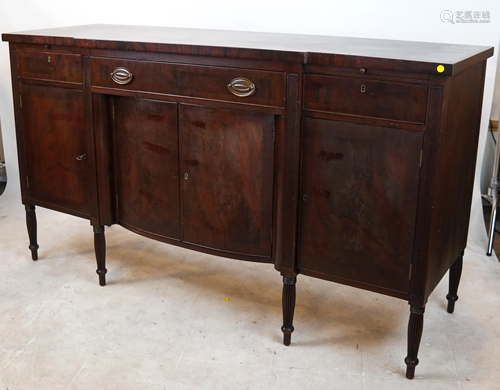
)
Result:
{"points": [[363, 88]]}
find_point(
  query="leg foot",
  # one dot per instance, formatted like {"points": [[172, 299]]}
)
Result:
{"points": [[415, 328], [455, 274], [31, 225], [100, 253], [288, 302]]}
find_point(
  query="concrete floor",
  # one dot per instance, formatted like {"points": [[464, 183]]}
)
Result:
{"points": [[174, 319]]}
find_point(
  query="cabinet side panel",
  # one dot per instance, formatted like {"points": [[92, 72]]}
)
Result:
{"points": [[226, 162], [146, 158], [455, 171], [19, 128]]}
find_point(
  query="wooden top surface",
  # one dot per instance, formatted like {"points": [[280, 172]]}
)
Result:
{"points": [[338, 51]]}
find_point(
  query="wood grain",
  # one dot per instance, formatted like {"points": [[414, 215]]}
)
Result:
{"points": [[366, 97], [325, 50], [359, 196], [50, 66], [146, 165], [54, 136], [191, 80], [227, 196]]}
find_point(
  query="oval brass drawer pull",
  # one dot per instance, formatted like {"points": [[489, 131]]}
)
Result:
{"points": [[241, 87], [122, 76]]}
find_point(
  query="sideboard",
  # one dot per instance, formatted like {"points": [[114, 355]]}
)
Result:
{"points": [[350, 160]]}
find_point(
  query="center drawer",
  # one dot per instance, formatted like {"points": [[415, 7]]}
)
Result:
{"points": [[256, 87], [365, 97]]}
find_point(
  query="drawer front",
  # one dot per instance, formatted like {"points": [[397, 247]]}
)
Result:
{"points": [[50, 66], [261, 87], [368, 98]]}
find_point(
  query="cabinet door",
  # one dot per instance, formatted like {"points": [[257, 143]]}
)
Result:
{"points": [[55, 147], [146, 153], [226, 161], [359, 188]]}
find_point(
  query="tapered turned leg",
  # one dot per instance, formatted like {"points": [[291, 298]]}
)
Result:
{"points": [[100, 253], [455, 274], [31, 225], [288, 303], [415, 328]]}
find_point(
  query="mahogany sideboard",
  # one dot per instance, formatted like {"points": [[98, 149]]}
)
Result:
{"points": [[330, 157]]}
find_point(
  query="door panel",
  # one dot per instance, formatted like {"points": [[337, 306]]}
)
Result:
{"points": [[227, 179], [146, 153], [54, 136], [359, 187]]}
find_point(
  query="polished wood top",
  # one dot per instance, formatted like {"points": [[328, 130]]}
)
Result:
{"points": [[337, 51]]}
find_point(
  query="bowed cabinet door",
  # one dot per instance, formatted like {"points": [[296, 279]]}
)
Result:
{"points": [[146, 158], [226, 166], [53, 123], [359, 188]]}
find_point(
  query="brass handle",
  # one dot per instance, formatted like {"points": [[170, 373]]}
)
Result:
{"points": [[241, 87], [362, 70], [82, 157], [122, 76]]}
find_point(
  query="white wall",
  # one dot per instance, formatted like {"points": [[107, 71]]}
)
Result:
{"points": [[388, 19], [495, 111], [1, 145]]}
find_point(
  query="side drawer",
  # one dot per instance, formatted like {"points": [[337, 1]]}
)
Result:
{"points": [[366, 97], [196, 81], [49, 66]]}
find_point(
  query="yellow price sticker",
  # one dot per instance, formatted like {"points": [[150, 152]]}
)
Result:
{"points": [[440, 68]]}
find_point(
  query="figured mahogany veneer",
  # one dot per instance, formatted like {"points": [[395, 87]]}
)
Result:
{"points": [[192, 81], [50, 66], [364, 97], [54, 174], [331, 157]]}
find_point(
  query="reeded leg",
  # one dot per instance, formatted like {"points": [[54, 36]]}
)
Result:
{"points": [[415, 328], [288, 302], [100, 253], [31, 225], [455, 274]]}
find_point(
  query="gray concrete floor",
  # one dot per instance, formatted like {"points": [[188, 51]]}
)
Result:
{"points": [[175, 319]]}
